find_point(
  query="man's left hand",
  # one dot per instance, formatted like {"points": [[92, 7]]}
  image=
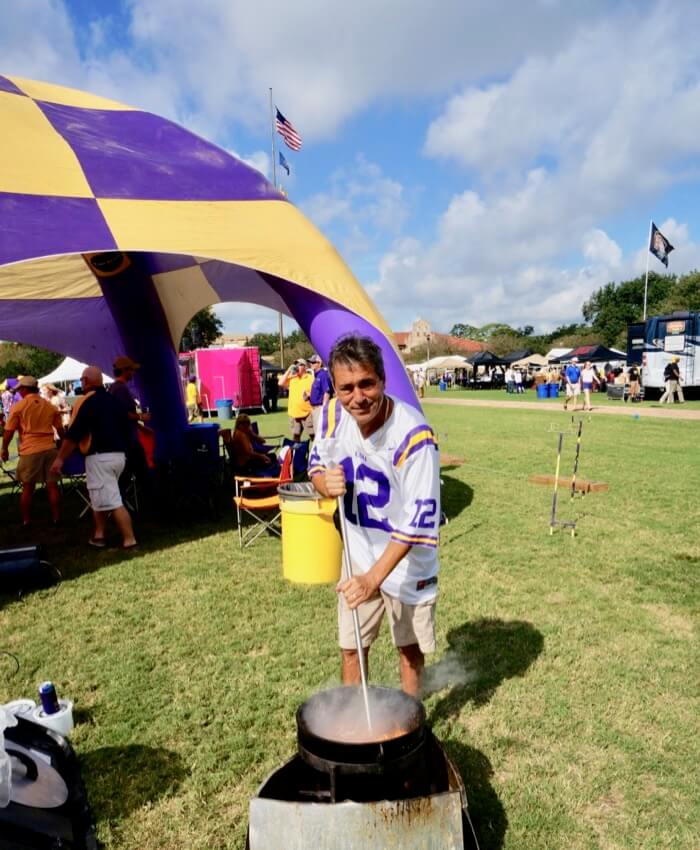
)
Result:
{"points": [[4, 454], [358, 589]]}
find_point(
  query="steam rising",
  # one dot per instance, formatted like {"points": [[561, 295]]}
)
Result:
{"points": [[449, 672], [339, 715]]}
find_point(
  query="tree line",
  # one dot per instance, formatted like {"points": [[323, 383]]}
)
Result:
{"points": [[606, 315]]}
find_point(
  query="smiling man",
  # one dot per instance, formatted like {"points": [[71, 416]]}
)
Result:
{"points": [[381, 455]]}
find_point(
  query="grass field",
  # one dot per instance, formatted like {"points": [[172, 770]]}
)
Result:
{"points": [[566, 679]]}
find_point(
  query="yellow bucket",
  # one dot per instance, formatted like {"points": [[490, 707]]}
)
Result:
{"points": [[311, 546]]}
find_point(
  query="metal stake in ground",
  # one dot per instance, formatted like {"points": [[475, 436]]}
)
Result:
{"points": [[347, 564], [578, 452], [553, 519]]}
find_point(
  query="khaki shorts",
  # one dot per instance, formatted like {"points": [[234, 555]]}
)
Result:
{"points": [[409, 624], [573, 390], [102, 473], [32, 469], [299, 424]]}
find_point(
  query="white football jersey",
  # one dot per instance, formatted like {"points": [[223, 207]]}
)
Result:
{"points": [[393, 493]]}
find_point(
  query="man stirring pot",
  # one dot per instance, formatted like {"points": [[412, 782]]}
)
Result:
{"points": [[380, 454]]}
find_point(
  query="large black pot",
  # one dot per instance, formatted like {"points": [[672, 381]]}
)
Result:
{"points": [[375, 766]]}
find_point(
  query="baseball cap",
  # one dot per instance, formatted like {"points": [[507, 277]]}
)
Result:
{"points": [[675, 360], [314, 359], [126, 363], [27, 381], [574, 359]]}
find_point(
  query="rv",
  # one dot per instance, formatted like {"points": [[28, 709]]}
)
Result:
{"points": [[653, 343]]}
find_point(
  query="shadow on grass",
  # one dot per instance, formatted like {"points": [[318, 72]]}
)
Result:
{"points": [[66, 546], [480, 656], [455, 495], [486, 812], [122, 779]]}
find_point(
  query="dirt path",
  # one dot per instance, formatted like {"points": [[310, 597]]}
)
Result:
{"points": [[670, 411]]}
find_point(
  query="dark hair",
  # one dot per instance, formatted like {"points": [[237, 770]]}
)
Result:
{"points": [[352, 349], [118, 372]]}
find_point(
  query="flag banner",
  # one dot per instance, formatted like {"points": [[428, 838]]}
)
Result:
{"points": [[291, 138], [283, 162], [659, 245]]}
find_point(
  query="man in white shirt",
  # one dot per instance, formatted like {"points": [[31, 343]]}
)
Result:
{"points": [[381, 455]]}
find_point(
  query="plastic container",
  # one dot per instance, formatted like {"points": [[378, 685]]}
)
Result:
{"points": [[224, 408], [6, 719], [553, 390], [311, 545], [542, 391], [60, 721]]}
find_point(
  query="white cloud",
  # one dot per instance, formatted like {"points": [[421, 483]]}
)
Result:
{"points": [[363, 203], [598, 247]]}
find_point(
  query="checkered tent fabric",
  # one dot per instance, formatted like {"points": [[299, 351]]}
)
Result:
{"points": [[82, 175]]}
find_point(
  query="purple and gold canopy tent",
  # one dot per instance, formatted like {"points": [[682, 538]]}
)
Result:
{"points": [[117, 226]]}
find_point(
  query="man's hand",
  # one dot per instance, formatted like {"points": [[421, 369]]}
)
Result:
{"points": [[358, 589], [56, 467], [4, 453], [335, 481]]}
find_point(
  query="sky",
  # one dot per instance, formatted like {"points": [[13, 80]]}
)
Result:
{"points": [[473, 161]]}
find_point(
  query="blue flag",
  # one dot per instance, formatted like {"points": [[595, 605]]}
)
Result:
{"points": [[283, 162]]}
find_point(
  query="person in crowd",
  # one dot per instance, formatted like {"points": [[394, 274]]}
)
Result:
{"points": [[589, 378], [298, 380], [321, 390], [248, 456], [271, 392], [381, 455], [100, 426], [634, 380], [192, 399], [420, 383], [7, 400], [57, 398], [510, 380], [124, 370], [672, 381], [620, 379], [518, 380], [37, 422], [572, 380]]}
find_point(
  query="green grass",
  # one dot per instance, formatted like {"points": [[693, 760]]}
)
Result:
{"points": [[569, 665]]}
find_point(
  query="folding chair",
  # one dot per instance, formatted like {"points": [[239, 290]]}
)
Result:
{"points": [[11, 474], [301, 457], [258, 497], [73, 480]]}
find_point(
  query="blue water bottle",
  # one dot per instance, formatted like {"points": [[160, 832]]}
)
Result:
{"points": [[49, 698]]}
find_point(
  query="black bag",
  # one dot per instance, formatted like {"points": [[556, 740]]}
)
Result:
{"points": [[24, 568]]}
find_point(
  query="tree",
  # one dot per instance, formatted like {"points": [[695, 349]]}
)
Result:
{"points": [[466, 331], [203, 330], [19, 359], [265, 343], [612, 307], [685, 294]]}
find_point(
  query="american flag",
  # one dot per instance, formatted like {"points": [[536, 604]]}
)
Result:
{"points": [[289, 134]]}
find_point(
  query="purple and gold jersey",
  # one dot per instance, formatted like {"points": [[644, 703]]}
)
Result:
{"points": [[393, 493]]}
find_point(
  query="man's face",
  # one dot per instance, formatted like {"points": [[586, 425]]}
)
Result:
{"points": [[360, 391], [315, 366]]}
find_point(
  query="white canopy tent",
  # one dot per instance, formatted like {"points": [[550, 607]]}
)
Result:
{"points": [[531, 360], [447, 361], [68, 371]]}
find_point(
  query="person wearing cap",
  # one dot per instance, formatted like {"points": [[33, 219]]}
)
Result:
{"points": [[299, 382], [124, 370], [321, 390], [672, 380], [100, 428], [37, 422], [572, 379]]}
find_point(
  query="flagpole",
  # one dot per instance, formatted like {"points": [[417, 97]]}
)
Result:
{"points": [[646, 279], [280, 320]]}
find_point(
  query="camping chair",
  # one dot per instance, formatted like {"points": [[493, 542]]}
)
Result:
{"points": [[301, 457], [11, 474], [258, 498], [73, 480]]}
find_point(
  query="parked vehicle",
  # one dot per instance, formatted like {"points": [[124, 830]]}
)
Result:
{"points": [[224, 373], [653, 343]]}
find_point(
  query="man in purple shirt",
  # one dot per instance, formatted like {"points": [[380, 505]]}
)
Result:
{"points": [[321, 390]]}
